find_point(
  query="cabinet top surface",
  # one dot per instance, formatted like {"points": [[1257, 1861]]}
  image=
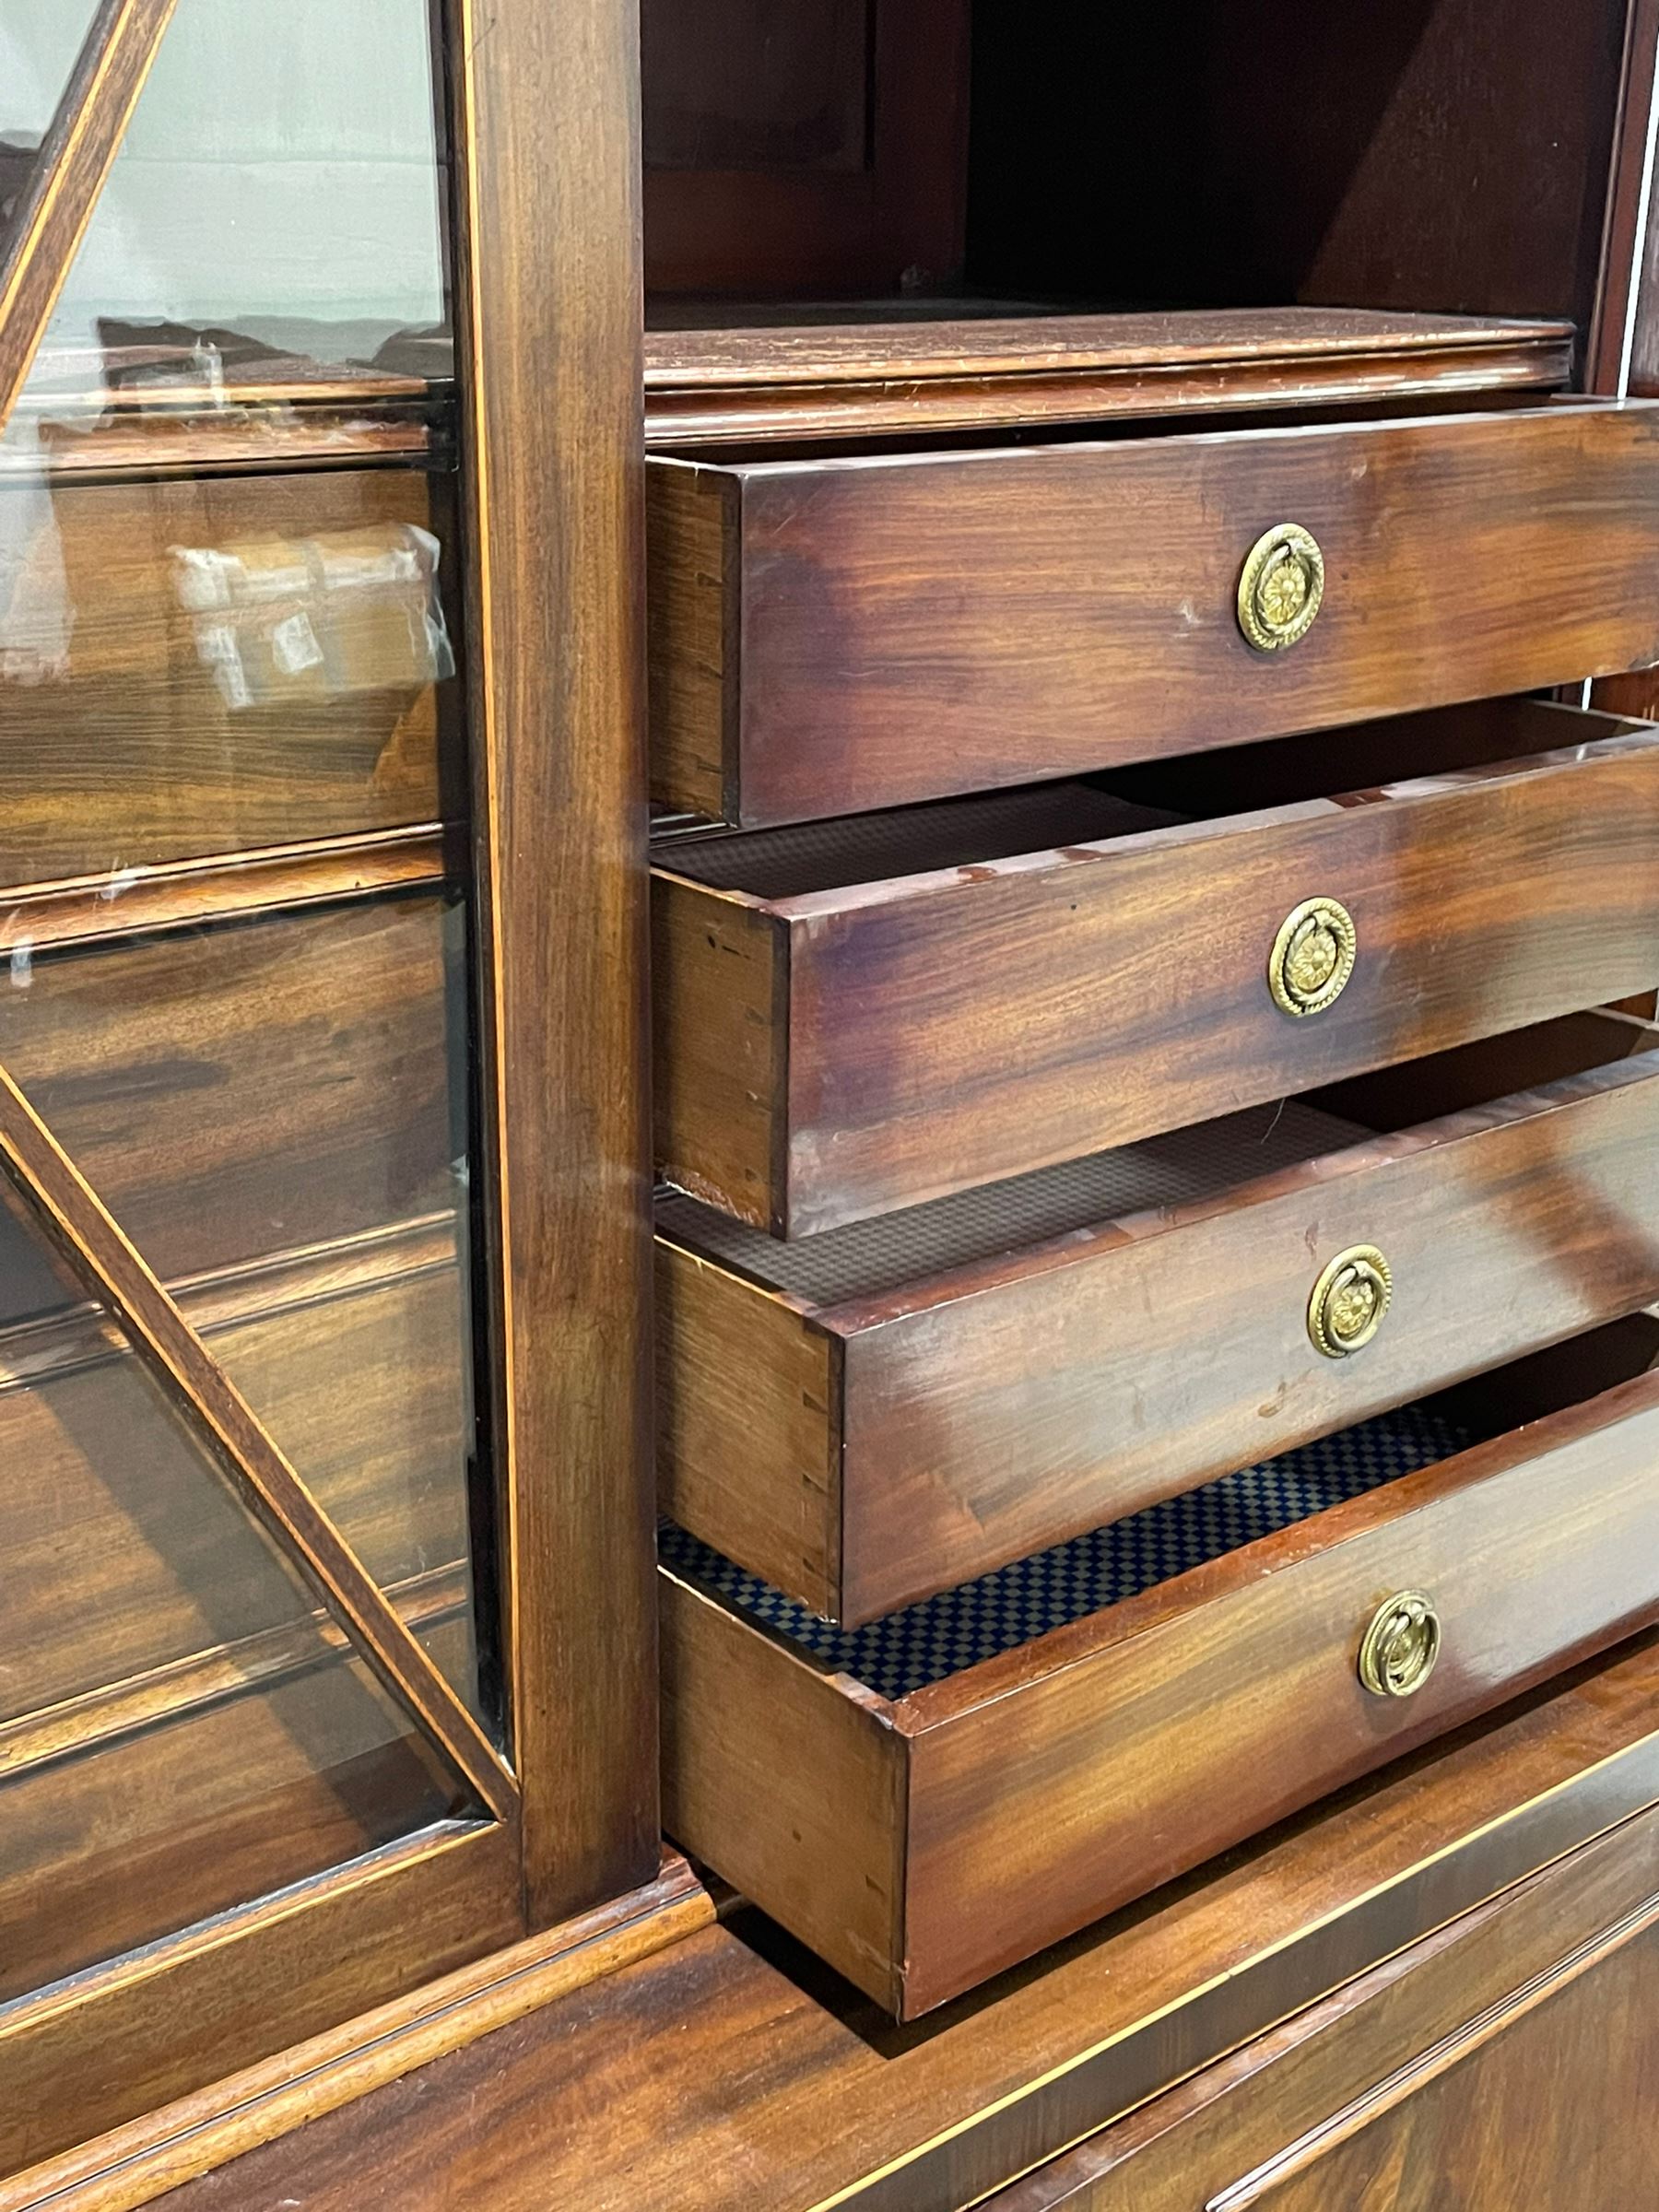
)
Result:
{"points": [[802, 344]]}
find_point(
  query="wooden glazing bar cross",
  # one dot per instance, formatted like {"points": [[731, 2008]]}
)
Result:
{"points": [[115, 1272], [74, 161]]}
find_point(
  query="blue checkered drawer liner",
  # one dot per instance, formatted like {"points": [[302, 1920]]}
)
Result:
{"points": [[957, 1629]]}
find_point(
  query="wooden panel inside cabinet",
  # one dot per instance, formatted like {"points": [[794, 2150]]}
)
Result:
{"points": [[820, 147]]}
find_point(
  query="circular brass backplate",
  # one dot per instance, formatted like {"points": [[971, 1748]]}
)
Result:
{"points": [[1312, 956], [1349, 1301], [1398, 1651], [1282, 587]]}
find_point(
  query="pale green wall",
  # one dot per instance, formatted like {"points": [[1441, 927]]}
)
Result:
{"points": [[281, 164]]}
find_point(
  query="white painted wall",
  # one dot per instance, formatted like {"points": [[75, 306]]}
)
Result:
{"points": [[281, 165]]}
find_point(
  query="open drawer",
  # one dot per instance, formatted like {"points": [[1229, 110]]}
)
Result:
{"points": [[830, 634], [857, 1016], [868, 1417], [931, 1798]]}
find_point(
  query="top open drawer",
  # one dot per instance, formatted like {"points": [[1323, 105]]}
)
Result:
{"points": [[831, 635]]}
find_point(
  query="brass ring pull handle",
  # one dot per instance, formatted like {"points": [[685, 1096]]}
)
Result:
{"points": [[1312, 956], [1349, 1301], [1399, 1649], [1282, 588]]}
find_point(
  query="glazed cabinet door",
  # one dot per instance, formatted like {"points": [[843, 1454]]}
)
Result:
{"points": [[273, 1494]]}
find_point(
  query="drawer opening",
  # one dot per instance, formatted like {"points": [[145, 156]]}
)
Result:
{"points": [[1174, 1178], [1018, 1605], [1362, 756], [959, 1629], [1047, 821]]}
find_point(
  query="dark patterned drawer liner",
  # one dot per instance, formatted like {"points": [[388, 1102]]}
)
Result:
{"points": [[1015, 1605]]}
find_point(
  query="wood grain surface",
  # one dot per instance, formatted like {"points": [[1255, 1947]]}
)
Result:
{"points": [[345, 1940], [1069, 1776], [963, 1411], [248, 1089], [768, 382], [946, 1029], [543, 124], [912, 627], [731, 2070], [148, 728], [1350, 2064], [129, 2167], [1500, 2110]]}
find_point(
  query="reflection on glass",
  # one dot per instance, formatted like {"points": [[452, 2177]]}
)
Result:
{"points": [[182, 1727], [234, 960], [274, 211], [274, 1111]]}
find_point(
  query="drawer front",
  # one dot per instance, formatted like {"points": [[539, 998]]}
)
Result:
{"points": [[927, 1843], [838, 1054], [864, 1451], [835, 635]]}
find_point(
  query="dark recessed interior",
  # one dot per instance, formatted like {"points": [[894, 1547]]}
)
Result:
{"points": [[1445, 155]]}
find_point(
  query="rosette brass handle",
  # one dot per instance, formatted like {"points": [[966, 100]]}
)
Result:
{"points": [[1312, 956], [1349, 1301], [1282, 588], [1398, 1650]]}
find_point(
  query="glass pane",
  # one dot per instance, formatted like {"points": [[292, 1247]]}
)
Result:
{"points": [[235, 960], [180, 1726], [274, 1109], [39, 42], [272, 222]]}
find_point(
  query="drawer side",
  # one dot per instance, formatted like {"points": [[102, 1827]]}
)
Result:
{"points": [[748, 1421], [719, 1013], [789, 1781], [691, 636]]}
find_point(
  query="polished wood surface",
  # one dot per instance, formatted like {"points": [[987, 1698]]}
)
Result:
{"points": [[823, 145], [1067, 1776], [128, 2168], [163, 718], [1497, 2115], [727, 2071], [914, 626], [56, 206], [1058, 1365], [133, 1603], [769, 383], [248, 1089], [87, 2057], [973, 1008], [1330, 2086], [544, 132]]}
